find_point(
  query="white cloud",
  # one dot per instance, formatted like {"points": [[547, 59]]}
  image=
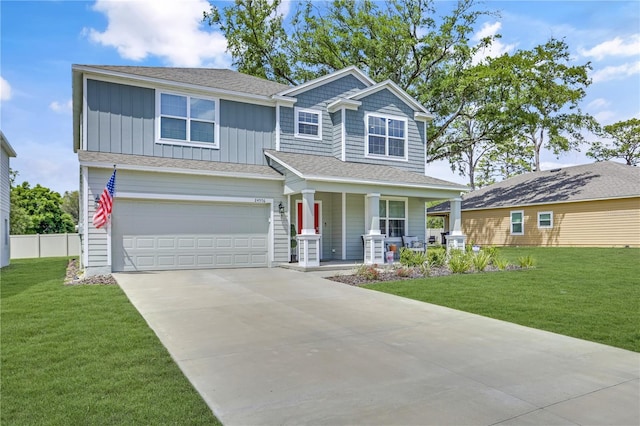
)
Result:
{"points": [[616, 72], [172, 30], [605, 117], [61, 107], [5, 90], [497, 47], [598, 103], [615, 47]]}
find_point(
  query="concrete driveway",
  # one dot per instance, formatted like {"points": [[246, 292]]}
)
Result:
{"points": [[275, 346]]}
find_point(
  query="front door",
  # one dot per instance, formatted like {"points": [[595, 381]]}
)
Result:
{"points": [[317, 222]]}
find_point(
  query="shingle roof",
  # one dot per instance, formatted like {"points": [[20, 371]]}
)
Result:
{"points": [[316, 167], [207, 77], [595, 181], [197, 166]]}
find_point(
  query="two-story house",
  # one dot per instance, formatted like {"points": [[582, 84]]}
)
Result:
{"points": [[214, 167]]}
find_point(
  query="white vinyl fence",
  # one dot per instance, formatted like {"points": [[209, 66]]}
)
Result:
{"points": [[44, 245]]}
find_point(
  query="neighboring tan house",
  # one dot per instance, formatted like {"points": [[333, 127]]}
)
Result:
{"points": [[214, 167], [6, 151], [595, 204]]}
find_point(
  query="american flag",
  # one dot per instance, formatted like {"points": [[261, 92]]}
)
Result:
{"points": [[103, 214]]}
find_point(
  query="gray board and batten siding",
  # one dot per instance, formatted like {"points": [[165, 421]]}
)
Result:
{"points": [[121, 119]]}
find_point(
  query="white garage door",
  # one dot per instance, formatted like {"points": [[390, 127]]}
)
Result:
{"points": [[156, 235]]}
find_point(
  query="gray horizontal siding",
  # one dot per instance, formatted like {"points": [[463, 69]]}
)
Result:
{"points": [[174, 184], [355, 226], [385, 102], [120, 119]]}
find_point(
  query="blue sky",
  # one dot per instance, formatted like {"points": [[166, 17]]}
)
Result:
{"points": [[40, 40]]}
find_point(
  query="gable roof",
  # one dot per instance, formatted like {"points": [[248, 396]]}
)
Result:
{"points": [[595, 181], [397, 91], [214, 78], [328, 78], [331, 169]]}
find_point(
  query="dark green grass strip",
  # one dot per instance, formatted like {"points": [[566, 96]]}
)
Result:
{"points": [[83, 355], [588, 293]]}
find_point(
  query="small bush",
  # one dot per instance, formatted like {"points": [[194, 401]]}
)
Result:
{"points": [[403, 272], [500, 263], [460, 262], [436, 256], [370, 272], [412, 258], [481, 260], [491, 251], [425, 269], [526, 261]]}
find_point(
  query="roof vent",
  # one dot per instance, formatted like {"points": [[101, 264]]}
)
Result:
{"points": [[554, 170]]}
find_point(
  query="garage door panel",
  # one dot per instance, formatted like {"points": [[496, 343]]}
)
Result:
{"points": [[151, 235]]}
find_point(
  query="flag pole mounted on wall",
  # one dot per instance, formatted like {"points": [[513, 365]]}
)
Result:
{"points": [[102, 215]]}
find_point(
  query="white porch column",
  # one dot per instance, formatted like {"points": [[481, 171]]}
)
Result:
{"points": [[373, 240], [308, 199], [308, 240], [455, 239]]}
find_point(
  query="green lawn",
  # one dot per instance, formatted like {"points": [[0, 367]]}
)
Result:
{"points": [[589, 293], [83, 355]]}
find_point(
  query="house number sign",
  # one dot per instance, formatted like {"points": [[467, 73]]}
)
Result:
{"points": [[260, 200]]}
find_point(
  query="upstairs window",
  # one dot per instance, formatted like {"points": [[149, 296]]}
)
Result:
{"points": [[545, 219], [386, 137], [308, 124], [517, 222], [189, 119]]}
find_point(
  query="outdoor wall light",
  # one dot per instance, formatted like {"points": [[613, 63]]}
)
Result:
{"points": [[97, 201], [281, 208]]}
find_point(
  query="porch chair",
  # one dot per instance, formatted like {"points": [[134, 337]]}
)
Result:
{"points": [[413, 243]]}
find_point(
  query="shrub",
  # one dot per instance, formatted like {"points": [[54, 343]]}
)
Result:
{"points": [[403, 272], [412, 258], [369, 272], [425, 269], [526, 261], [460, 262], [436, 256], [500, 263], [491, 251], [481, 260]]}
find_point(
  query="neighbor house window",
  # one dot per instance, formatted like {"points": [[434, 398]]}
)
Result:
{"points": [[393, 217], [184, 118], [545, 219], [517, 223], [386, 137], [308, 123]]}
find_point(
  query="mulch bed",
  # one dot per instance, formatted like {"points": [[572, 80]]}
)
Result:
{"points": [[386, 274], [75, 276]]}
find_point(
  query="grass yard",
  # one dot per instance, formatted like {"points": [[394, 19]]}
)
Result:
{"points": [[83, 355], [588, 293]]}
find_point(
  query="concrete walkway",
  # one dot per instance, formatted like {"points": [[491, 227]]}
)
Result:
{"points": [[276, 346]]}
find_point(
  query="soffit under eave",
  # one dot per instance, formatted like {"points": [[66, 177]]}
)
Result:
{"points": [[294, 184]]}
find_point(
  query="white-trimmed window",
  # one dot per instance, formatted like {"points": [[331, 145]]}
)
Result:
{"points": [[308, 123], [517, 222], [386, 136], [545, 219], [185, 119], [393, 217]]}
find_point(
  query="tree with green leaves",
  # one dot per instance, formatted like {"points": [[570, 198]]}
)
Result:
{"points": [[546, 90], [38, 210], [71, 205], [624, 142], [426, 54]]}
